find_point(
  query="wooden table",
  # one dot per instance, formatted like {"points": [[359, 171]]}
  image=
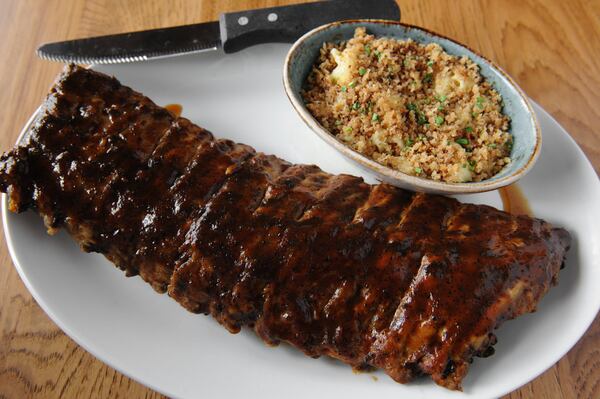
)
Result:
{"points": [[551, 48]]}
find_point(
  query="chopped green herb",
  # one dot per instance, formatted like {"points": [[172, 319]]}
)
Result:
{"points": [[411, 106], [348, 129], [479, 102], [338, 122], [439, 120], [368, 50], [356, 106], [472, 165], [462, 141], [421, 119], [509, 145], [362, 71], [468, 129], [428, 78], [430, 63], [418, 170], [474, 114], [375, 118], [426, 101], [409, 142], [441, 98], [352, 84], [344, 89], [378, 55], [422, 137], [492, 145]]}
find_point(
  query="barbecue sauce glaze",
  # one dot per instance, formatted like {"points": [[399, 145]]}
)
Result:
{"points": [[371, 275]]}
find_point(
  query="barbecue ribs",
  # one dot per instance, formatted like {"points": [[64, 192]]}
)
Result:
{"points": [[375, 276]]}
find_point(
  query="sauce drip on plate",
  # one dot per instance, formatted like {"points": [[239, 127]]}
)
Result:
{"points": [[175, 109], [514, 201]]}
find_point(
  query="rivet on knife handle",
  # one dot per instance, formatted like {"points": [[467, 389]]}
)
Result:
{"points": [[286, 24]]}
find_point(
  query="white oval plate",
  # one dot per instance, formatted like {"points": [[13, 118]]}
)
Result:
{"points": [[150, 338]]}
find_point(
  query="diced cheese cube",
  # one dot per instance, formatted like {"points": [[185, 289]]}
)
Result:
{"points": [[342, 73]]}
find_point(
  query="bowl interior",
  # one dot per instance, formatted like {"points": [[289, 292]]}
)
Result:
{"points": [[523, 125]]}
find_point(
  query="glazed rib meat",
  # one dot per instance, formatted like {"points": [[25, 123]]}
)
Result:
{"points": [[373, 275]]}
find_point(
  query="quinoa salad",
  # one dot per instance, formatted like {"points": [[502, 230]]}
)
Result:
{"points": [[411, 107]]}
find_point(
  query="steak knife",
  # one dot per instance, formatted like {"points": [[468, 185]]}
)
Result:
{"points": [[233, 32]]}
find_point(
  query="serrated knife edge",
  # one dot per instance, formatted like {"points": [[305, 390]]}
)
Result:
{"points": [[125, 58]]}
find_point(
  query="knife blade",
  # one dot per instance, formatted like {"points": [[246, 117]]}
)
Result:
{"points": [[232, 32]]}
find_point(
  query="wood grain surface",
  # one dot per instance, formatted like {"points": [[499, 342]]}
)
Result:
{"points": [[551, 48]]}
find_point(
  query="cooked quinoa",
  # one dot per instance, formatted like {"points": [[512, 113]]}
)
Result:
{"points": [[411, 107]]}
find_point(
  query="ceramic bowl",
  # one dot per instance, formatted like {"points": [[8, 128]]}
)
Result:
{"points": [[524, 127]]}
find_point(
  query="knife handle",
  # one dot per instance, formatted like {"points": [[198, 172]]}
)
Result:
{"points": [[286, 24]]}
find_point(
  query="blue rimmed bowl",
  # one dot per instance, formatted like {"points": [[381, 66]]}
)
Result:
{"points": [[527, 138]]}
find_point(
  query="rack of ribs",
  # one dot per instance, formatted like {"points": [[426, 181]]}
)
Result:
{"points": [[372, 275]]}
